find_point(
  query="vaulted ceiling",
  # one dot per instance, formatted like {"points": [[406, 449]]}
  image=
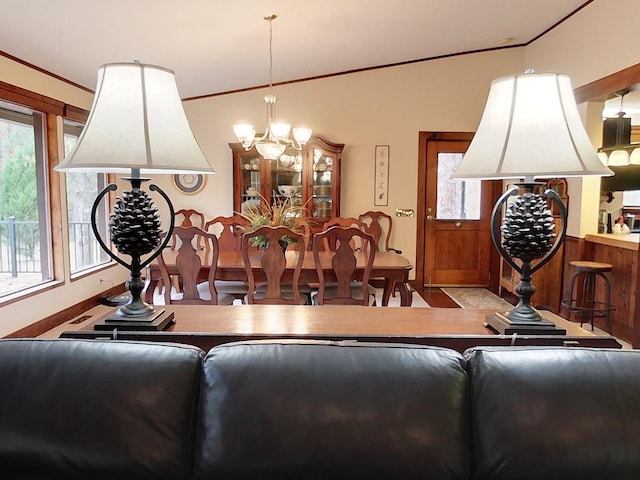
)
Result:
{"points": [[217, 46]]}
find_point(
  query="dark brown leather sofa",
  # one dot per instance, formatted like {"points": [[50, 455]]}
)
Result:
{"points": [[91, 409]]}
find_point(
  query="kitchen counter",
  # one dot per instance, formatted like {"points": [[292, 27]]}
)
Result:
{"points": [[628, 241], [622, 251]]}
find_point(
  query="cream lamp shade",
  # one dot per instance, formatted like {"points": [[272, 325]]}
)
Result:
{"points": [[531, 128], [137, 122]]}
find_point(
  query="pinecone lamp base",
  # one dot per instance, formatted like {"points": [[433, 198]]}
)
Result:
{"points": [[135, 229], [527, 234]]}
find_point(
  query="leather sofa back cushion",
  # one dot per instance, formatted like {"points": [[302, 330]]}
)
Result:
{"points": [[88, 409], [319, 410], [555, 413]]}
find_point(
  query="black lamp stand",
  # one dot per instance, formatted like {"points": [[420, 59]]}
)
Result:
{"points": [[527, 234], [135, 230]]}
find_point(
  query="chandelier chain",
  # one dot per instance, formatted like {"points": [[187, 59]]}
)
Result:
{"points": [[270, 19]]}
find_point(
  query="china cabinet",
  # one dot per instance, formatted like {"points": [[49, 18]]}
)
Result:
{"points": [[310, 178]]}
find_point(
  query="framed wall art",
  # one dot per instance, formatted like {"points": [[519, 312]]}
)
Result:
{"points": [[189, 183], [381, 175]]}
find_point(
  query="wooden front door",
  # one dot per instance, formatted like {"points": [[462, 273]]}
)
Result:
{"points": [[456, 216]]}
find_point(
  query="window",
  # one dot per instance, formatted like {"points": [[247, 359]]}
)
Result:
{"points": [[25, 234], [457, 199], [631, 198], [82, 189]]}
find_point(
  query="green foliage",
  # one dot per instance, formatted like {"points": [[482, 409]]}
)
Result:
{"points": [[283, 213], [18, 185], [18, 188]]}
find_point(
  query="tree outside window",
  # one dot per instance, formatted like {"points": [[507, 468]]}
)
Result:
{"points": [[82, 189], [25, 256]]}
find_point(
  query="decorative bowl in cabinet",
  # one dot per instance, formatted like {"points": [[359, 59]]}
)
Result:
{"points": [[288, 190]]}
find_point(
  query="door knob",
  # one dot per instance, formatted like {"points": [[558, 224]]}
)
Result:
{"points": [[429, 217], [458, 224]]}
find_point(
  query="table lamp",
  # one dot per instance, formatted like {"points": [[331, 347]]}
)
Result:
{"points": [[530, 128], [136, 125]]}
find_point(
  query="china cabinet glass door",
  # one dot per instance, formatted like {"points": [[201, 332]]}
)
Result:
{"points": [[309, 178], [286, 178], [250, 181], [322, 184]]}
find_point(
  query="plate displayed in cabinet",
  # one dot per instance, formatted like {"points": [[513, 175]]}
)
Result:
{"points": [[321, 166]]}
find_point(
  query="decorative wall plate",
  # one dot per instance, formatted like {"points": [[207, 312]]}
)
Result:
{"points": [[189, 183]]}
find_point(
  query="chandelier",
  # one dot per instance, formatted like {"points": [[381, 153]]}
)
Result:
{"points": [[617, 149], [275, 139]]}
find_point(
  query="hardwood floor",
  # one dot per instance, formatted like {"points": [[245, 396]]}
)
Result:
{"points": [[436, 298]]}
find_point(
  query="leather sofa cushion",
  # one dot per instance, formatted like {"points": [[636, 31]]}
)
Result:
{"points": [[90, 409], [319, 410], [555, 413]]}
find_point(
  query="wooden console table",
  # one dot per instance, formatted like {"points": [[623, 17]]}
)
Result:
{"points": [[457, 328]]}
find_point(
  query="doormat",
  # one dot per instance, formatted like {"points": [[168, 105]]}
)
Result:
{"points": [[468, 297]]}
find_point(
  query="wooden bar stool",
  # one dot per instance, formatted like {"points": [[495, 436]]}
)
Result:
{"points": [[582, 299]]}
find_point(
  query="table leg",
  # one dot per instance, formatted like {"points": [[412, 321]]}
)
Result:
{"points": [[406, 296]]}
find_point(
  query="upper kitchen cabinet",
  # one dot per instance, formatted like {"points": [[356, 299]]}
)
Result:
{"points": [[310, 178]]}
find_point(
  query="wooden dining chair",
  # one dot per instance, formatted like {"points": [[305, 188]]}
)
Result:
{"points": [[188, 263], [228, 230], [347, 289], [184, 218], [379, 224], [329, 243], [266, 274], [187, 217], [229, 233]]}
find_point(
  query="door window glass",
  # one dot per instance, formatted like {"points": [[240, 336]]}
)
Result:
{"points": [[457, 199]]}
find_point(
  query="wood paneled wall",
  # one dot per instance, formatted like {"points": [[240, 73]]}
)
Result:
{"points": [[624, 284]]}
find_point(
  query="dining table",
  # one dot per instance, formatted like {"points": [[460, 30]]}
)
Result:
{"points": [[393, 268]]}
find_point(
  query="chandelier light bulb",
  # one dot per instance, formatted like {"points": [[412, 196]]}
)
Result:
{"points": [[302, 134], [245, 133], [619, 158], [269, 149]]}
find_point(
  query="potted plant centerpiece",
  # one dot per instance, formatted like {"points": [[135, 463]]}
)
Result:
{"points": [[280, 213]]}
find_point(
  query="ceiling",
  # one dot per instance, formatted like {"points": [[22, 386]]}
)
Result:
{"points": [[218, 46]]}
